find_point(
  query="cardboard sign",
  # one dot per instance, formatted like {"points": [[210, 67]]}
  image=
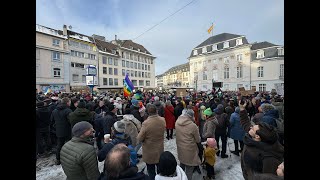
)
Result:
{"points": [[242, 89], [181, 92]]}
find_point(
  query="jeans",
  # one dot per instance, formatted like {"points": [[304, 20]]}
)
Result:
{"points": [[224, 142], [61, 142], [188, 170]]}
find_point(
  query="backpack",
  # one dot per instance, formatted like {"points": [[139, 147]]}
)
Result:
{"points": [[280, 125]]}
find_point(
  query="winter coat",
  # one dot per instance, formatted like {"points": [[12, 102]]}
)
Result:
{"points": [[178, 110], [119, 138], [79, 160], [181, 175], [131, 173], [196, 115], [100, 126], [61, 121], [80, 114], [236, 130], [101, 109], [222, 119], [109, 119], [160, 108], [187, 134], [152, 138], [269, 117], [43, 118], [132, 127], [135, 112], [210, 155], [260, 157], [280, 108], [266, 176], [169, 117], [209, 128], [257, 117]]}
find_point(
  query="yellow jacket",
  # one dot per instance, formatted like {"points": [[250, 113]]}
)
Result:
{"points": [[210, 155]]}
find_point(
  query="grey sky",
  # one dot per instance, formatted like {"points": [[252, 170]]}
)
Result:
{"points": [[171, 41]]}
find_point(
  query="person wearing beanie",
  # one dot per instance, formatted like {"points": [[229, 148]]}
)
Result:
{"points": [[270, 113], [168, 168], [81, 114], [210, 124], [135, 109], [78, 156], [210, 157], [221, 129]]}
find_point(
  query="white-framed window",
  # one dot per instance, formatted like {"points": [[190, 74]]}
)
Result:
{"points": [[239, 42], [204, 49], [262, 87], [226, 73], [239, 86], [195, 52], [75, 77], [139, 66], [104, 70], [55, 56], [105, 81], [55, 42], [128, 72], [147, 83], [131, 64], [146, 67], [104, 60], [226, 60], [83, 78], [123, 72], [260, 54], [139, 74], [280, 51], [239, 57], [131, 56], [226, 44], [127, 64], [239, 72], [260, 71], [281, 70], [110, 71], [110, 81], [215, 47], [151, 61], [78, 65], [110, 61], [135, 65], [141, 82], [131, 73], [123, 63], [56, 72], [149, 75], [226, 87], [135, 73], [115, 62], [134, 82], [92, 56], [142, 66], [115, 71], [116, 82], [142, 74], [215, 76]]}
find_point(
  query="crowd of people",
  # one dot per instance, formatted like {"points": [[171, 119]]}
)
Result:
{"points": [[82, 130]]}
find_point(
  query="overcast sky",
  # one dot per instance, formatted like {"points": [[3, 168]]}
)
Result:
{"points": [[172, 40]]}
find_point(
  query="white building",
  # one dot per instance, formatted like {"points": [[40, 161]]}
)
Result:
{"points": [[52, 59], [159, 80]]}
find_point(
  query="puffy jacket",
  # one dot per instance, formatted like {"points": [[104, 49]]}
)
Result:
{"points": [[79, 160], [80, 114]]}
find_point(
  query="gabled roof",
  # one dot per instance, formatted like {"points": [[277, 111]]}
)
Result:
{"points": [[261, 45], [106, 46], [179, 67], [129, 43], [218, 38]]}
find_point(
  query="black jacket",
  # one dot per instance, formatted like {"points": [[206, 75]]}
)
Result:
{"points": [[135, 112], [131, 173], [178, 110], [59, 117], [80, 114], [43, 117]]}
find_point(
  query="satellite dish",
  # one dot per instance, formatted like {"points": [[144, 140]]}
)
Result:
{"points": [[70, 27]]}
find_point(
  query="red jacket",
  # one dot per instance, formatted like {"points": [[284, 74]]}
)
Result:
{"points": [[169, 117]]}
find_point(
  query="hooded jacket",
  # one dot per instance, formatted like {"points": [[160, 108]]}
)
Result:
{"points": [[222, 119], [80, 114], [132, 127], [60, 119]]}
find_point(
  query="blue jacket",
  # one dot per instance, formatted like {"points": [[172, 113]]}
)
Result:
{"points": [[269, 117], [236, 130]]}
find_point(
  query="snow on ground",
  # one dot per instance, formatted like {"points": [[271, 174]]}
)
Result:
{"points": [[225, 169]]}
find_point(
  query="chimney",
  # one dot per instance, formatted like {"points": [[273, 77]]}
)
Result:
{"points": [[64, 30], [115, 37]]}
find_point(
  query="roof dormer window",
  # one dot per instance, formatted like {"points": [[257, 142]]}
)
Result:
{"points": [[131, 47], [204, 50], [195, 52], [214, 47], [113, 51], [280, 51], [238, 42], [260, 54], [226, 44]]}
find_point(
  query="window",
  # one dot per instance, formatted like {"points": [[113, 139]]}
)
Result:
{"points": [[83, 78], [123, 72], [110, 62], [239, 57], [128, 72], [239, 72], [204, 76], [195, 52], [225, 44], [72, 64], [260, 54], [145, 67], [142, 74], [239, 86], [115, 62], [214, 47], [226, 60], [238, 42], [116, 82], [147, 83], [110, 81], [105, 81], [226, 73], [131, 56], [226, 87], [281, 70], [280, 51], [204, 50], [148, 67], [75, 77], [214, 60], [79, 65], [104, 60], [110, 71], [115, 71], [209, 61], [127, 64], [260, 71], [131, 64], [135, 65], [139, 66], [56, 72], [135, 74], [114, 51], [92, 56], [81, 54], [127, 55], [55, 56], [151, 61], [104, 69], [141, 83], [55, 42], [139, 74], [123, 63], [134, 82], [215, 76], [262, 87], [142, 66]]}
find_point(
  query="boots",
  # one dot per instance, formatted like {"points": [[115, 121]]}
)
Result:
{"points": [[235, 152], [171, 133], [168, 137]]}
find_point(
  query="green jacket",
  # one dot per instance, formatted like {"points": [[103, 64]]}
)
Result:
{"points": [[80, 114], [79, 160]]}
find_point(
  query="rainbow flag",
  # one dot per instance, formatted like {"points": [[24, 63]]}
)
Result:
{"points": [[127, 86]]}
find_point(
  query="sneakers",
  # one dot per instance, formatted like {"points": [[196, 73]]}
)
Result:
{"points": [[224, 156], [235, 153]]}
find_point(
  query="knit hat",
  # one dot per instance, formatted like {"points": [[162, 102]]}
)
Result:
{"points": [[202, 107], [119, 126], [212, 142], [80, 128], [135, 102], [265, 107], [189, 113], [208, 112], [81, 104], [267, 133]]}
